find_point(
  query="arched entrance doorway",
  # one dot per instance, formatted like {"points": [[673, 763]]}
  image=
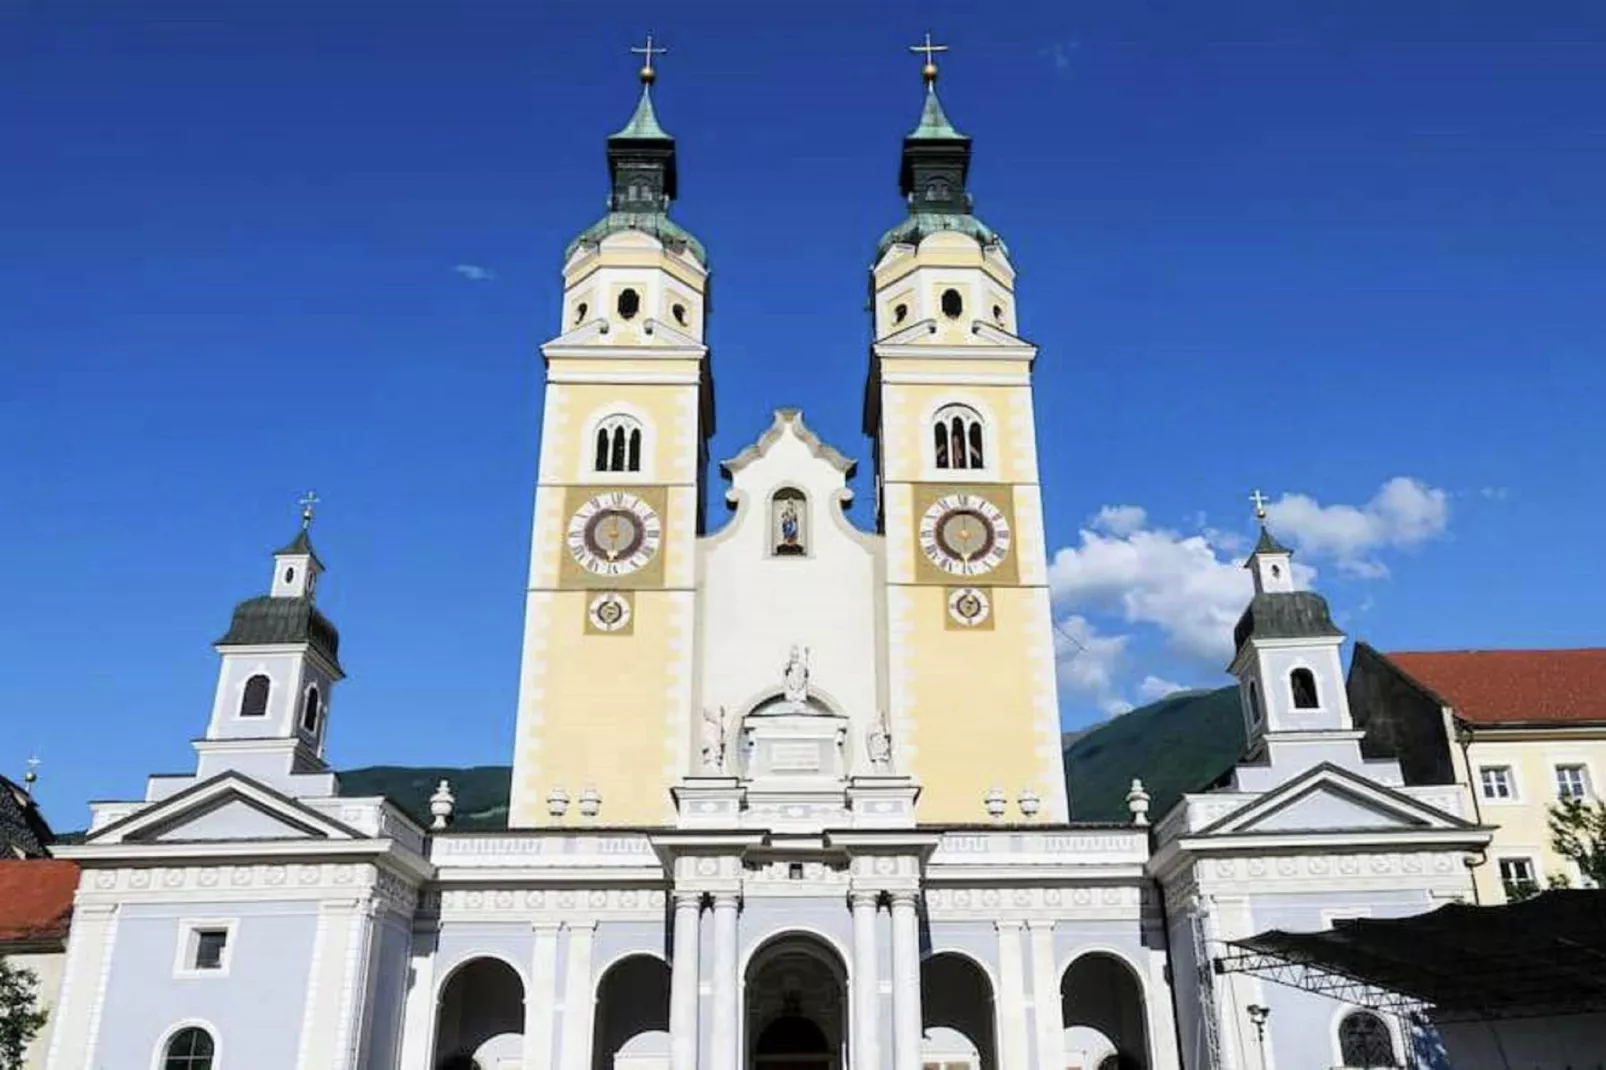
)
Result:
{"points": [[796, 996], [956, 1001], [1105, 1023], [631, 1030], [479, 1023]]}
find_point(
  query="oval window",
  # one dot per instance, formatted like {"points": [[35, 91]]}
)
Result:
{"points": [[289, 575], [580, 312], [952, 304], [679, 312], [900, 313], [629, 304]]}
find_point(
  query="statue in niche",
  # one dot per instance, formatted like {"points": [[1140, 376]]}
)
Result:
{"points": [[788, 522], [795, 677], [878, 744], [714, 730]]}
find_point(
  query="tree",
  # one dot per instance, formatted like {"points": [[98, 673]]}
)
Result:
{"points": [[20, 1016], [1578, 833]]}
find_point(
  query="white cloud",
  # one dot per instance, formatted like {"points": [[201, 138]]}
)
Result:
{"points": [[1155, 687], [1059, 54], [475, 273], [1180, 583], [1403, 512], [1495, 494], [1119, 519], [1089, 662]]}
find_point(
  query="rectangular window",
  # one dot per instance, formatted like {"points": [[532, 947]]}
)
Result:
{"points": [[1496, 782], [1517, 878], [1572, 782], [209, 947]]}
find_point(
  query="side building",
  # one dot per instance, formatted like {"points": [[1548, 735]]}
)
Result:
{"points": [[1518, 730]]}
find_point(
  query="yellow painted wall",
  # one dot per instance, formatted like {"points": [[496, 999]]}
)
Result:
{"points": [[1521, 826], [907, 445]]}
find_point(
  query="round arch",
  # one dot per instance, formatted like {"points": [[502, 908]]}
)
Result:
{"points": [[959, 1013], [1102, 995], [479, 1014], [795, 999], [159, 1054], [630, 1028]]}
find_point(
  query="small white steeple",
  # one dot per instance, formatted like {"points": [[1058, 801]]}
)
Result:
{"points": [[1270, 563], [296, 567]]}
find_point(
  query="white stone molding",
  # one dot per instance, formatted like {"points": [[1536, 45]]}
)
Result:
{"points": [[1010, 998], [683, 981], [906, 1022], [355, 983], [1047, 1011], [864, 1039], [579, 1006], [726, 986], [543, 993], [103, 977], [418, 1013]]}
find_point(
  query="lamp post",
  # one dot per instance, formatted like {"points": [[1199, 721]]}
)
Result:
{"points": [[1257, 1018]]}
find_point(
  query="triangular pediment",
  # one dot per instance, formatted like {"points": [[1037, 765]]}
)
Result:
{"points": [[1331, 799], [230, 807]]}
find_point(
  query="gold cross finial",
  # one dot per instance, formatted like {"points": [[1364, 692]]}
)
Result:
{"points": [[647, 51], [1260, 501], [308, 500], [929, 71]]}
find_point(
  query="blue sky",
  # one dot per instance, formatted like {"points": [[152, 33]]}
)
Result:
{"points": [[1347, 253]]}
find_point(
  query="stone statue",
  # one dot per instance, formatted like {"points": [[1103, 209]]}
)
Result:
{"points": [[878, 744], [714, 741], [795, 676]]}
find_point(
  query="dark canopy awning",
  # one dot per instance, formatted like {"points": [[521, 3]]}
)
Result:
{"points": [[1543, 956]]}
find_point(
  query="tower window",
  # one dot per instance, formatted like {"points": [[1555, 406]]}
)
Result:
{"points": [[952, 303], [254, 699], [629, 304], [310, 711], [190, 1049], [1254, 704], [900, 313], [679, 312], [1303, 683], [956, 437], [1364, 1041], [618, 445], [580, 311], [290, 574], [998, 314]]}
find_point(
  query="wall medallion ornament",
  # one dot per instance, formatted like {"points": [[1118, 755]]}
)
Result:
{"points": [[609, 613], [964, 534], [614, 534], [969, 607]]}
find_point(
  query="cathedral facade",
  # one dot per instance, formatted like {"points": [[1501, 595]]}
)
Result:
{"points": [[741, 838]]}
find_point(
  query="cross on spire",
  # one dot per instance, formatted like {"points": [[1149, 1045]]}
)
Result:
{"points": [[929, 71], [1260, 501], [308, 500], [648, 52]]}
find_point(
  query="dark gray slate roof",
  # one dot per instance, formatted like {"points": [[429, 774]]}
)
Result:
{"points": [[1284, 615], [301, 544], [23, 831], [1268, 544], [266, 620]]}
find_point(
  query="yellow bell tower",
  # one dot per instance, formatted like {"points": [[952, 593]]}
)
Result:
{"points": [[970, 651], [605, 687]]}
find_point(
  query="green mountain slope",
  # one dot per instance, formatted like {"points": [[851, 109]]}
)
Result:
{"points": [[482, 791], [1179, 744]]}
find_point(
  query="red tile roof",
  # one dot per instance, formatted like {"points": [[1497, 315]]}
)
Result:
{"points": [[36, 898], [1514, 686]]}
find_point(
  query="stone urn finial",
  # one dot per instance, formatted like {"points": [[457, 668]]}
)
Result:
{"points": [[441, 805], [997, 802], [557, 802], [1137, 800], [590, 802], [1029, 803]]}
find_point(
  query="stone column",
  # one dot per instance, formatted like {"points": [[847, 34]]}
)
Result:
{"points": [[579, 1001], [726, 989], [539, 999], [905, 982], [1048, 1010], [1011, 999], [683, 980], [865, 1036]]}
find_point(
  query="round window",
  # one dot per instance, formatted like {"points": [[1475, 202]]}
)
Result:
{"points": [[580, 311], [629, 304], [679, 312], [900, 313], [952, 304]]}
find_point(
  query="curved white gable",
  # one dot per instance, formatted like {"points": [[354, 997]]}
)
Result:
{"points": [[757, 606]]}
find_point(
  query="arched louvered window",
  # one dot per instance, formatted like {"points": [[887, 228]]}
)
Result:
{"points": [[1254, 704], [957, 438], [1364, 1042], [254, 699], [310, 710], [191, 1048], [1303, 683], [618, 445]]}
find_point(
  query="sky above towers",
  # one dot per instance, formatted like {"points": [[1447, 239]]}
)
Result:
{"points": [[1348, 254]]}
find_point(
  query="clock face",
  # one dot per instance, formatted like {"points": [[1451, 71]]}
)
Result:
{"points": [[964, 534], [614, 534]]}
